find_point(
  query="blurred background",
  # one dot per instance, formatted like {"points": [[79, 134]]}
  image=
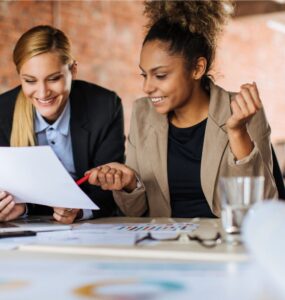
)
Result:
{"points": [[106, 37]]}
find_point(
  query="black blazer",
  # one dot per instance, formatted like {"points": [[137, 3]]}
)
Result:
{"points": [[97, 134]]}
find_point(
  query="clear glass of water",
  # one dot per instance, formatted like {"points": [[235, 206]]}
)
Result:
{"points": [[237, 195]]}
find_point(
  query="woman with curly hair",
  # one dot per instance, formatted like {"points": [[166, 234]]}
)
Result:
{"points": [[188, 132]]}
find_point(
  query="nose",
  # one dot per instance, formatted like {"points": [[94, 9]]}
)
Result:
{"points": [[148, 86], [42, 90]]}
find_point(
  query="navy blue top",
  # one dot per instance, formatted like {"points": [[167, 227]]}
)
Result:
{"points": [[184, 163]]}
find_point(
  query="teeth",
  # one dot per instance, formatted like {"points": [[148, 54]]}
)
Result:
{"points": [[156, 99], [45, 101]]}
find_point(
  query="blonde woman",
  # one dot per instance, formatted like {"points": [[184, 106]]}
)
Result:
{"points": [[82, 122], [188, 132]]}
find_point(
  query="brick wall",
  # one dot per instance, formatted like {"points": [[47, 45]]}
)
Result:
{"points": [[251, 50], [15, 18], [107, 36]]}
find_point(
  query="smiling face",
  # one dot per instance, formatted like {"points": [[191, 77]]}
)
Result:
{"points": [[46, 82], [166, 81]]}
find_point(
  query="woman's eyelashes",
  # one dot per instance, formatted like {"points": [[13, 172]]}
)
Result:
{"points": [[161, 76], [56, 78], [29, 81], [51, 79], [157, 76]]}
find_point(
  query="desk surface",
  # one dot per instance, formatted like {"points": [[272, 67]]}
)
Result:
{"points": [[186, 249], [172, 250], [170, 270]]}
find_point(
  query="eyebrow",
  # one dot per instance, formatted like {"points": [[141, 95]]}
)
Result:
{"points": [[154, 69], [50, 75]]}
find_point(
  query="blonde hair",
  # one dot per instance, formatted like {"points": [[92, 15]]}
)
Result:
{"points": [[38, 40]]}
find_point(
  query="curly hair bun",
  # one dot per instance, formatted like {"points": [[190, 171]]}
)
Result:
{"points": [[205, 17]]}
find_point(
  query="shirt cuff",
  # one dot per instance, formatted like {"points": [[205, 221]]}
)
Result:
{"points": [[25, 214], [86, 214]]}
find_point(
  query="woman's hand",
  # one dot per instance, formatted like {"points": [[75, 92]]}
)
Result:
{"points": [[245, 105], [9, 210], [65, 215], [113, 176]]}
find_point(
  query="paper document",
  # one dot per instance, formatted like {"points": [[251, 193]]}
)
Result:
{"points": [[78, 278], [141, 227], [38, 226], [35, 175], [71, 238]]}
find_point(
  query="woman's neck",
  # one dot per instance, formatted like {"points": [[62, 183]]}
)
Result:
{"points": [[195, 111]]}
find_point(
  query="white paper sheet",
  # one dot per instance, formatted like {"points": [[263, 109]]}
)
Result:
{"points": [[35, 175], [71, 237], [141, 227], [158, 231]]}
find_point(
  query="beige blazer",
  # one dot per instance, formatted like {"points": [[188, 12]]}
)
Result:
{"points": [[147, 155]]}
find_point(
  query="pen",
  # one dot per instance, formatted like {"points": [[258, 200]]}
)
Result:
{"points": [[83, 179]]}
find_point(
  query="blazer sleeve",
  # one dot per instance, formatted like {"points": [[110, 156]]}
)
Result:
{"points": [[132, 204], [110, 147], [5, 131], [4, 141], [7, 105], [259, 161]]}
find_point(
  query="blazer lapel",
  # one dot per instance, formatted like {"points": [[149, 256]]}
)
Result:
{"points": [[215, 141], [79, 132], [156, 147]]}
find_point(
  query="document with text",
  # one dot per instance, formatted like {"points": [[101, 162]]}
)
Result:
{"points": [[35, 175]]}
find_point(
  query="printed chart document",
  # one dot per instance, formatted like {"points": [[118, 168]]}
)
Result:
{"points": [[140, 227], [35, 175], [65, 277]]}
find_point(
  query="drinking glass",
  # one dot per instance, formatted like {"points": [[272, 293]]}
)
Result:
{"points": [[237, 195]]}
